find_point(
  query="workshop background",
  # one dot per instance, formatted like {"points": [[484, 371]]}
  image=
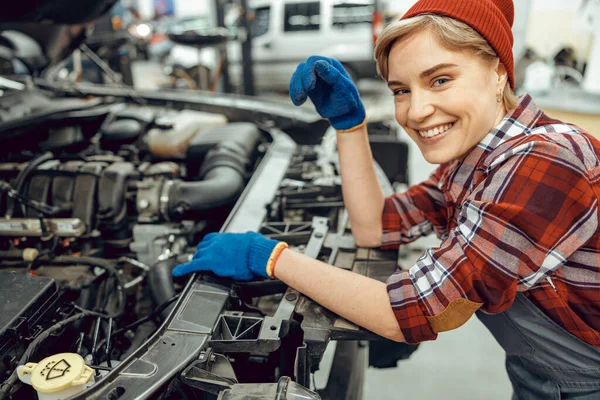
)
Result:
{"points": [[557, 53]]}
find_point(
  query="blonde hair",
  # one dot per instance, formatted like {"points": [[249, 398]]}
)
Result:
{"points": [[452, 34]]}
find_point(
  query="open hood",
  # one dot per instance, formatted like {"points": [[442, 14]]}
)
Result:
{"points": [[39, 45], [54, 11], [42, 32]]}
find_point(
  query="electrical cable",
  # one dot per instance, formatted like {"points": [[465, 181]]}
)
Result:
{"points": [[140, 321], [22, 177], [92, 313], [14, 195], [108, 335], [80, 342], [95, 342]]}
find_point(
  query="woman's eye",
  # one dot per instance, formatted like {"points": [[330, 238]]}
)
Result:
{"points": [[440, 81], [398, 92]]}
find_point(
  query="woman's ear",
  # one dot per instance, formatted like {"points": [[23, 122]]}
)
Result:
{"points": [[501, 74]]}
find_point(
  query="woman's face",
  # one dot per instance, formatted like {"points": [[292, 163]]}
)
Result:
{"points": [[444, 99]]}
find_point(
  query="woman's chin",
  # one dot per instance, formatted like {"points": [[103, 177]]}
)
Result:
{"points": [[439, 156]]}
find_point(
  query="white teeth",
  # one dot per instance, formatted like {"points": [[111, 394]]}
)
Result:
{"points": [[435, 131]]}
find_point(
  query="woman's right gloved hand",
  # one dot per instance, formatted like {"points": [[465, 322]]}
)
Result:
{"points": [[331, 90]]}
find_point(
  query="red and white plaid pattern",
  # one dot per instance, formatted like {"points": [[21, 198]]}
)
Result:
{"points": [[518, 214]]}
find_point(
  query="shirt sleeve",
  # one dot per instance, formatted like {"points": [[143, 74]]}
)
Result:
{"points": [[417, 212], [529, 213]]}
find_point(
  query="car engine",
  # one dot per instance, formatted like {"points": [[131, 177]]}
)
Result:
{"points": [[104, 191]]}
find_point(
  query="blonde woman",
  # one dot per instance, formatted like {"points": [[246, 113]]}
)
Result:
{"points": [[515, 201]]}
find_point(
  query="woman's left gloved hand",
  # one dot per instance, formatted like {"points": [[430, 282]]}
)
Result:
{"points": [[240, 256]]}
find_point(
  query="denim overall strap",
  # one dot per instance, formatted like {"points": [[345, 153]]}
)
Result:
{"points": [[543, 360]]}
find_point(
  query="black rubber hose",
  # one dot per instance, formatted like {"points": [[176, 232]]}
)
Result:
{"points": [[221, 186], [22, 178], [160, 282], [222, 181]]}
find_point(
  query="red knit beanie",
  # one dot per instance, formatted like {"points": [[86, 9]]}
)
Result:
{"points": [[493, 19]]}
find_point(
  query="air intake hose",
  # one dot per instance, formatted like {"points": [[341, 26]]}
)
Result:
{"points": [[223, 175]]}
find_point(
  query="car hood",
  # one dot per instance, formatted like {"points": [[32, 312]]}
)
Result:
{"points": [[42, 32], [54, 11]]}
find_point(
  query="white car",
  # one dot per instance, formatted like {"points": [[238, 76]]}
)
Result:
{"points": [[287, 32]]}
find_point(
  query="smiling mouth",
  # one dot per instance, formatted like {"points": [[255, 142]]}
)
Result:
{"points": [[438, 130]]}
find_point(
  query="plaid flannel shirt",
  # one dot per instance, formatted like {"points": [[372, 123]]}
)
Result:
{"points": [[519, 213]]}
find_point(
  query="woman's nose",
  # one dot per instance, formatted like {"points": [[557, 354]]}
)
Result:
{"points": [[420, 107]]}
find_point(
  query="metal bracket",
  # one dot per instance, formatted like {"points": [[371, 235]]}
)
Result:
{"points": [[293, 233], [341, 241], [211, 373], [271, 327], [238, 333]]}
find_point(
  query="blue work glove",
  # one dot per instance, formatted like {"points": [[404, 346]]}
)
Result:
{"points": [[239, 256], [331, 90]]}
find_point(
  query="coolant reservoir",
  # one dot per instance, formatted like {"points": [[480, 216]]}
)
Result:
{"points": [[57, 377], [173, 137]]}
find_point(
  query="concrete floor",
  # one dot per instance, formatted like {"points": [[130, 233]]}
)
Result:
{"points": [[465, 364]]}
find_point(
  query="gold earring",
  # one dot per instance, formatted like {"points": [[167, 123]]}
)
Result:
{"points": [[499, 96]]}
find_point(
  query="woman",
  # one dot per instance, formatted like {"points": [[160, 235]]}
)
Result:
{"points": [[515, 200]]}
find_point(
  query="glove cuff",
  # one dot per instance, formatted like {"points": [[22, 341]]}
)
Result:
{"points": [[258, 255], [350, 122], [357, 127]]}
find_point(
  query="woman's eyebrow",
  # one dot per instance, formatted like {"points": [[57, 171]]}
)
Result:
{"points": [[394, 83], [425, 73], [434, 69]]}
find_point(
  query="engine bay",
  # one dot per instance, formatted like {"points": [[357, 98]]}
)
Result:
{"points": [[103, 195]]}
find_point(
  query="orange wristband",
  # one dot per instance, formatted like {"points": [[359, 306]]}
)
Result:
{"points": [[273, 258], [354, 128]]}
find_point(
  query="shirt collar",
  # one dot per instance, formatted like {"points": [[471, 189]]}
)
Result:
{"points": [[516, 122], [519, 121]]}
